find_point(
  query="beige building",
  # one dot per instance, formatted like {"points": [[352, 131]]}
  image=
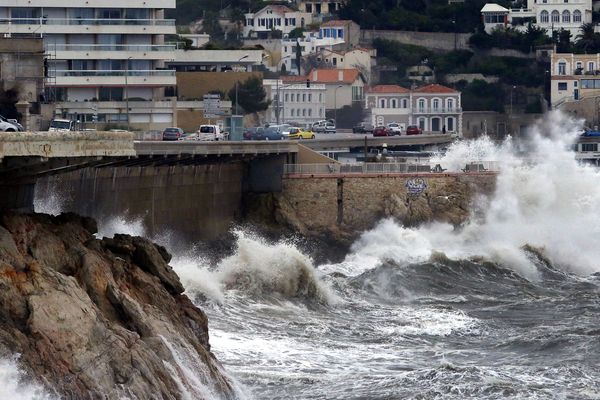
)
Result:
{"points": [[343, 86], [319, 8], [361, 59], [574, 77]]}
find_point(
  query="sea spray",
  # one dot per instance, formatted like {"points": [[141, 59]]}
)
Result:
{"points": [[14, 385], [544, 198]]}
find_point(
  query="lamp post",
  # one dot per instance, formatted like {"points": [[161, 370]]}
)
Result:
{"points": [[236, 88], [127, 91], [335, 103]]}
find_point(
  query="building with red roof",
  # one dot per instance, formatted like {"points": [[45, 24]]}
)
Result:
{"points": [[433, 107]]}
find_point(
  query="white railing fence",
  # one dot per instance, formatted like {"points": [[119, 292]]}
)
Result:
{"points": [[385, 168]]}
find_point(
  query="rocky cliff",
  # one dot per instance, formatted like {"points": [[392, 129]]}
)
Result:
{"points": [[100, 319]]}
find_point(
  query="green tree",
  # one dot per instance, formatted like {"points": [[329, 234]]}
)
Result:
{"points": [[251, 95], [296, 33]]}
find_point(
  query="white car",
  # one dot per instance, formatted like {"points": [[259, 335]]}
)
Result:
{"points": [[395, 128]]}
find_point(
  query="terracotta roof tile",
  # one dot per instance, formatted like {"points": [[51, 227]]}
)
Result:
{"points": [[388, 89], [333, 75], [434, 88], [336, 22]]}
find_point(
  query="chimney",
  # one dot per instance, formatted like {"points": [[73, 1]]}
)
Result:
{"points": [[315, 76], [341, 75]]}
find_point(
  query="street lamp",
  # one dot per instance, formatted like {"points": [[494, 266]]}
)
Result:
{"points": [[127, 91], [236, 88], [335, 103]]}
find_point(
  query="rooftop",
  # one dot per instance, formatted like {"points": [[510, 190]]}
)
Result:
{"points": [[336, 22], [434, 88], [492, 7], [388, 89]]}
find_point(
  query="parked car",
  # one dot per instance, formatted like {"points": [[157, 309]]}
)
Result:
{"points": [[381, 131], [413, 130], [319, 126], [172, 134], [362, 128], [299, 133], [395, 128], [60, 125], [17, 125], [272, 134], [249, 133], [329, 127]]}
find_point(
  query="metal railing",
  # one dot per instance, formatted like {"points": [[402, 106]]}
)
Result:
{"points": [[96, 72], [439, 110], [87, 21], [110, 47], [386, 168]]}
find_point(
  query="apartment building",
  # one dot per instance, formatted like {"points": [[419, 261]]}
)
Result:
{"points": [[431, 107], [105, 60], [295, 102], [574, 77]]}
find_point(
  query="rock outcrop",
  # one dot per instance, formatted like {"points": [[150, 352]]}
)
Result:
{"points": [[100, 319]]}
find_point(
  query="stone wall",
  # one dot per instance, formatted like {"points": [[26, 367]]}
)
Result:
{"points": [[197, 202], [431, 40], [346, 206]]}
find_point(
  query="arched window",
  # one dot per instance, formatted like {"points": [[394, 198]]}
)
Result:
{"points": [[436, 104], [404, 103], [450, 104], [382, 103], [555, 16], [292, 111], [421, 104], [576, 16], [450, 124], [566, 16], [545, 18], [394, 103], [422, 123]]}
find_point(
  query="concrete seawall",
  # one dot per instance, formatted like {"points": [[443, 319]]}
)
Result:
{"points": [[344, 206], [198, 202]]}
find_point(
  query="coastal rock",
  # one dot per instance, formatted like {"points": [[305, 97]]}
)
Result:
{"points": [[100, 319]]}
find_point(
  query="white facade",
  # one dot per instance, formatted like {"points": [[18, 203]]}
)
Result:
{"points": [[297, 103], [309, 44], [274, 17], [548, 14], [99, 53]]}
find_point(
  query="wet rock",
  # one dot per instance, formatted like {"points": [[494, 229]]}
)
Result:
{"points": [[98, 319]]}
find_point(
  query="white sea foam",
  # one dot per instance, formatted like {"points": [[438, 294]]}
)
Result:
{"points": [[545, 199], [14, 385]]}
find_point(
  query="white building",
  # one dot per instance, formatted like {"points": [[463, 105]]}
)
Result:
{"points": [[101, 54], [311, 43], [552, 15], [216, 60], [297, 103], [274, 17], [432, 107]]}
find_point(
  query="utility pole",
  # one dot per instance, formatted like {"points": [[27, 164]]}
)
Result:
{"points": [[127, 91]]}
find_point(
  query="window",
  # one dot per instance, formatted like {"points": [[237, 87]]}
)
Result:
{"points": [[421, 105], [555, 16], [340, 33], [304, 112], [566, 16], [382, 103], [591, 66], [494, 18], [436, 104], [589, 147], [544, 18], [293, 112], [394, 103], [110, 94], [109, 13], [562, 68], [576, 16], [562, 85], [404, 103], [450, 124], [303, 96], [309, 97], [579, 65], [310, 112], [320, 97], [286, 99], [450, 104]]}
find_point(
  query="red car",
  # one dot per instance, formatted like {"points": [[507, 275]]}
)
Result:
{"points": [[413, 130], [382, 131]]}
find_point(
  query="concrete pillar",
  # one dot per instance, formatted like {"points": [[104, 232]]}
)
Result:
{"points": [[23, 109]]}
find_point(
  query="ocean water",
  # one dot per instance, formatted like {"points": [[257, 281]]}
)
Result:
{"points": [[505, 306]]}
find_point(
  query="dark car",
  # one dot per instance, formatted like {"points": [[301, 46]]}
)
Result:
{"points": [[382, 131], [249, 133], [272, 134], [413, 130], [172, 134], [362, 128]]}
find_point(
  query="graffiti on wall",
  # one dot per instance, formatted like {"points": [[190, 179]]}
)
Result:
{"points": [[415, 186]]}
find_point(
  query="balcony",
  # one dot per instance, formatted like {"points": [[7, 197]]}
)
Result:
{"points": [[110, 51], [454, 110], [111, 78], [86, 25]]}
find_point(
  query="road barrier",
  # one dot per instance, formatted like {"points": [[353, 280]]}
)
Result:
{"points": [[386, 168]]}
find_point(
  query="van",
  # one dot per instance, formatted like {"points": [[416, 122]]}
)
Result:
{"points": [[61, 125], [207, 133]]}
